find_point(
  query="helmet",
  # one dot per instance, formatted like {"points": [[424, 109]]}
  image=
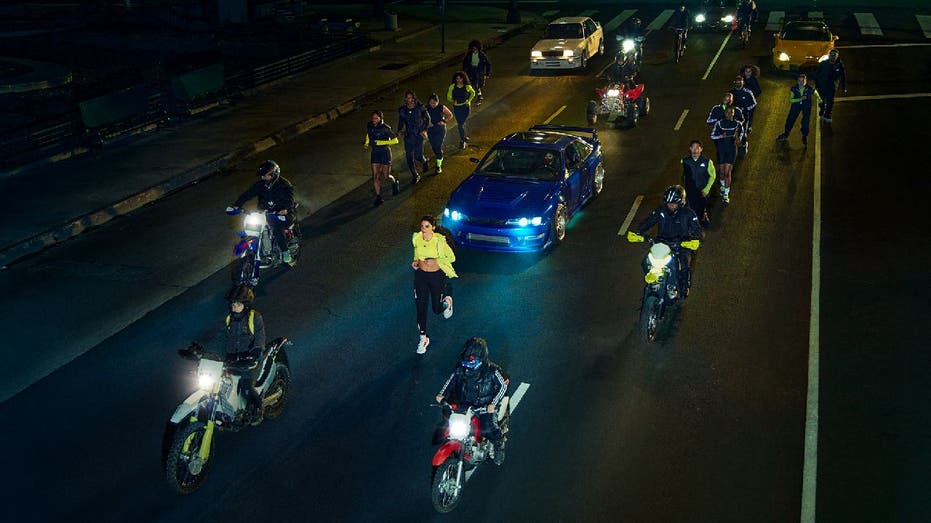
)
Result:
{"points": [[637, 21], [241, 294], [674, 194], [474, 353], [269, 167], [834, 53]]}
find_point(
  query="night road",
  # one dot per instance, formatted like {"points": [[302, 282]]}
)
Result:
{"points": [[708, 424]]}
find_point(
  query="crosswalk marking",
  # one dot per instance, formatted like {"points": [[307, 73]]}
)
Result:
{"points": [[925, 22], [590, 12], [550, 13], [660, 20], [868, 24], [774, 22], [816, 15], [619, 19]]}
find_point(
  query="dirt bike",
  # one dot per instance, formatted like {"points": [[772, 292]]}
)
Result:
{"points": [[257, 248]]}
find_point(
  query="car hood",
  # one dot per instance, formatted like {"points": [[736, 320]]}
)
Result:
{"points": [[485, 196], [557, 44], [802, 48]]}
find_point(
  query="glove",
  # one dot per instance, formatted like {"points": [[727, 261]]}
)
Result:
{"points": [[634, 237], [691, 244]]}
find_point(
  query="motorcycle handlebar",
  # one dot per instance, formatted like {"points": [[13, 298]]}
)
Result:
{"points": [[233, 211]]}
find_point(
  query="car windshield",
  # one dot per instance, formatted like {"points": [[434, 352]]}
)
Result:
{"points": [[562, 31], [808, 33], [529, 164]]}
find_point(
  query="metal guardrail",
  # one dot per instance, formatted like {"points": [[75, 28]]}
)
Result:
{"points": [[39, 140], [295, 64]]}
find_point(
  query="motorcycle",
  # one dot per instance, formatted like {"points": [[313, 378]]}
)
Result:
{"points": [[461, 452], [219, 403], [632, 47], [619, 100], [662, 281], [257, 248]]}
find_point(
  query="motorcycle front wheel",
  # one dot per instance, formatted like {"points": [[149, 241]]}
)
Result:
{"points": [[649, 318], [245, 270], [446, 490], [185, 470]]}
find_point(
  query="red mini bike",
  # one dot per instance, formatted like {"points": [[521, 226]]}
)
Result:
{"points": [[619, 101]]}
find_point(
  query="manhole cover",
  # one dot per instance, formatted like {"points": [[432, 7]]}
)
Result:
{"points": [[393, 67]]}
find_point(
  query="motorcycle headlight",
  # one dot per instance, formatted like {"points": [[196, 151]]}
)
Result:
{"points": [[206, 381], [659, 262], [536, 54], [728, 19], [254, 220], [628, 45], [459, 426], [568, 53], [783, 57], [700, 19], [614, 92]]}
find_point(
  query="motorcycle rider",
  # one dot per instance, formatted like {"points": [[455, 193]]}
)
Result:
{"points": [[698, 175], [744, 99], [633, 30], [413, 121], [245, 338], [478, 382], [829, 73], [675, 223], [276, 198]]}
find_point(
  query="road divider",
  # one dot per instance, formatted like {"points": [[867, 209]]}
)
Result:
{"points": [[554, 115], [680, 120], [630, 215], [715, 59]]}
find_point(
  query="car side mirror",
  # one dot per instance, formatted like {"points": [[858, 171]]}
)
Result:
{"points": [[474, 160], [834, 37]]}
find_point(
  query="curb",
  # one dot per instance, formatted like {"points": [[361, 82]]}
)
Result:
{"points": [[83, 223]]}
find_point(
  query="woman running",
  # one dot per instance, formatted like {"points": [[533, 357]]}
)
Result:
{"points": [[460, 93], [436, 133], [380, 136], [433, 264]]}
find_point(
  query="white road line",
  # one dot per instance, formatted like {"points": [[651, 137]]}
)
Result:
{"points": [[680, 120], [616, 22], [868, 46], [590, 12], [715, 59], [518, 395], [868, 24], [774, 22], [925, 22], [550, 13], [810, 467], [554, 115], [880, 97], [660, 20], [630, 216], [816, 15]]}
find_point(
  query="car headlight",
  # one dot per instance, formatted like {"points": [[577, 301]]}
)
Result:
{"points": [[459, 426], [628, 45], [614, 92], [728, 19], [456, 216], [536, 54], [783, 57], [568, 53], [824, 58], [700, 19], [523, 222]]}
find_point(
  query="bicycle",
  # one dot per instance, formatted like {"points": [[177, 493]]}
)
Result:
{"points": [[679, 43]]}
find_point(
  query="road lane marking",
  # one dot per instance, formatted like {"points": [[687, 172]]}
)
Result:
{"points": [[925, 22], [550, 13], [554, 115], [868, 24], [616, 22], [810, 466], [518, 395], [774, 22], [816, 15], [630, 215], [880, 97], [660, 20], [869, 46], [715, 59], [680, 120], [589, 12]]}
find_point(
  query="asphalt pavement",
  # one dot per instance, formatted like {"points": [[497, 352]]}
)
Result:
{"points": [[708, 424]]}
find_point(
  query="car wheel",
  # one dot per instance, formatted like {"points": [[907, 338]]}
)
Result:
{"points": [[558, 225]]}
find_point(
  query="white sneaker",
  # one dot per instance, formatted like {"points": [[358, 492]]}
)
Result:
{"points": [[422, 346], [448, 311]]}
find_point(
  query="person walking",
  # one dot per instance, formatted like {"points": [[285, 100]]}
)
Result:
{"points": [[380, 137], [698, 178], [436, 133], [751, 76], [830, 72], [461, 94], [727, 134], [800, 104], [433, 266], [413, 121], [478, 67]]}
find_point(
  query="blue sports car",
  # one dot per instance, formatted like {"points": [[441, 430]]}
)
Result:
{"points": [[525, 190]]}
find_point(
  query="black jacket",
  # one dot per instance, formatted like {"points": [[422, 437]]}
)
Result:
{"points": [[483, 68], [673, 227], [239, 339], [476, 388], [278, 196], [412, 121], [744, 98], [680, 19], [753, 83], [829, 73]]}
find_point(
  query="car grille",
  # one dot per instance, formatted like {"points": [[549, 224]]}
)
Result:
{"points": [[490, 222], [484, 238], [552, 53]]}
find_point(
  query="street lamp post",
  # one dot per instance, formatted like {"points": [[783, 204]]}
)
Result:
{"points": [[443, 26]]}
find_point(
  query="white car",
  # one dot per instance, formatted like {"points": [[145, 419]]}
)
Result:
{"points": [[568, 43]]}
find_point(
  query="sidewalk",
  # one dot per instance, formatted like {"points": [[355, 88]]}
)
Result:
{"points": [[52, 203]]}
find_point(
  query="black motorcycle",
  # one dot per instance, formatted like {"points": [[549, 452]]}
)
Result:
{"points": [[662, 290]]}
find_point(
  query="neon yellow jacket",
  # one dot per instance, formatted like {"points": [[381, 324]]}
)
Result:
{"points": [[435, 248]]}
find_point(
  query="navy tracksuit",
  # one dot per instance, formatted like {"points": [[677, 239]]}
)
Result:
{"points": [[799, 106], [413, 121], [744, 99], [826, 78]]}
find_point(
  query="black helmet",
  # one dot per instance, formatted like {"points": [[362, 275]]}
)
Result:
{"points": [[241, 294], [834, 53], [474, 353], [674, 194], [269, 167], [637, 21]]}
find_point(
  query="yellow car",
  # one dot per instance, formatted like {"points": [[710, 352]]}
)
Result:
{"points": [[802, 43]]}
